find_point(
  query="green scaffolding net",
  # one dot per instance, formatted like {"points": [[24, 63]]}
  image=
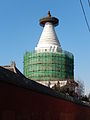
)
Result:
{"points": [[48, 66]]}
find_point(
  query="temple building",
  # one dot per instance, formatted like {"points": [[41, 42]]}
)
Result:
{"points": [[49, 64]]}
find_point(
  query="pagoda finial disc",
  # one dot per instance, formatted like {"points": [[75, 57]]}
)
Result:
{"points": [[50, 19]]}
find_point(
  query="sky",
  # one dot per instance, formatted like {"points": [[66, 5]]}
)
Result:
{"points": [[20, 31]]}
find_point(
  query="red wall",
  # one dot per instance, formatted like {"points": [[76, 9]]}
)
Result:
{"points": [[22, 104]]}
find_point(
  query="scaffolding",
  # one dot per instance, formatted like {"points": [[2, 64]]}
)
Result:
{"points": [[49, 66]]}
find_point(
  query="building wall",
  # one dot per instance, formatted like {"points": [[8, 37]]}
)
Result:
{"points": [[18, 103]]}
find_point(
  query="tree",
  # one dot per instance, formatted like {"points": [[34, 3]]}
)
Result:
{"points": [[80, 88], [89, 96]]}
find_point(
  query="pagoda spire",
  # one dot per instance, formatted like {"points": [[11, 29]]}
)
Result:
{"points": [[48, 40], [49, 14]]}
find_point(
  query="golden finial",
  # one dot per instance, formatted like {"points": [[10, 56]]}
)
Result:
{"points": [[49, 15]]}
